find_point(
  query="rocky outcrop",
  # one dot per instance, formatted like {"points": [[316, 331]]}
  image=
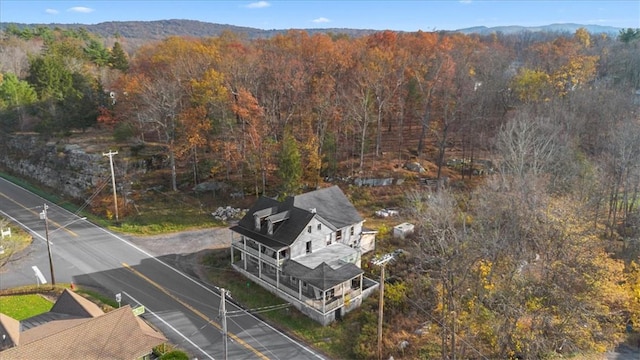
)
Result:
{"points": [[64, 167]]}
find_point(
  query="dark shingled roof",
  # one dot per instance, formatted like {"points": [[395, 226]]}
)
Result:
{"points": [[330, 204]]}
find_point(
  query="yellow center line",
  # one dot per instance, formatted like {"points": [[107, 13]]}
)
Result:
{"points": [[38, 214], [196, 311]]}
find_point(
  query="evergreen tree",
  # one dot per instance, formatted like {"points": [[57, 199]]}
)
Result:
{"points": [[290, 169], [97, 53], [119, 58]]}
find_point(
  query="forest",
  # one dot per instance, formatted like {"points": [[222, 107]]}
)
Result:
{"points": [[538, 258]]}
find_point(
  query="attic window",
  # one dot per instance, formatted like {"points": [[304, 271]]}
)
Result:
{"points": [[309, 229], [319, 226]]}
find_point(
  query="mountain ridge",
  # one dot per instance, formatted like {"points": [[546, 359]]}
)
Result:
{"points": [[159, 29]]}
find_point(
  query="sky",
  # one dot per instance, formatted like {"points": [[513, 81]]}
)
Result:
{"points": [[398, 15]]}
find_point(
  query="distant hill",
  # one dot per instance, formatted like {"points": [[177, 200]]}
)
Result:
{"points": [[156, 30], [160, 29], [571, 28]]}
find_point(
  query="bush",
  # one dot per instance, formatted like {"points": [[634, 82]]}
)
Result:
{"points": [[175, 355]]}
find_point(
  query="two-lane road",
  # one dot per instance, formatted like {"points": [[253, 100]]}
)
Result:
{"points": [[183, 308]]}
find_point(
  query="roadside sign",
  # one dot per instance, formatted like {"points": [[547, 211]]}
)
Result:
{"points": [[138, 310], [39, 275]]}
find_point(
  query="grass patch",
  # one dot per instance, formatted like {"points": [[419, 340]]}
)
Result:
{"points": [[155, 224], [10, 245], [22, 307], [98, 298]]}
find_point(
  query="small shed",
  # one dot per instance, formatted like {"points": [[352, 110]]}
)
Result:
{"points": [[403, 230]]}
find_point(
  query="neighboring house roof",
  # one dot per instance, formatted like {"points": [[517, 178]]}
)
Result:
{"points": [[73, 304], [118, 334], [329, 204]]}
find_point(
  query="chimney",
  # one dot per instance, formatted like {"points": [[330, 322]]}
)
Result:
{"points": [[257, 222], [313, 210]]}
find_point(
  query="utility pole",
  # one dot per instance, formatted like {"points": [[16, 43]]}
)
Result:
{"points": [[223, 314], [382, 262], [43, 215], [113, 180]]}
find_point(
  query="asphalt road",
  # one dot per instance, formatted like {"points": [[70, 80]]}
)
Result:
{"points": [[182, 307]]}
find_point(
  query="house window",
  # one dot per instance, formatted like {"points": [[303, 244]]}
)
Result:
{"points": [[293, 280], [309, 229], [355, 283], [328, 239], [308, 247], [351, 232], [304, 285], [319, 226], [338, 235], [329, 294]]}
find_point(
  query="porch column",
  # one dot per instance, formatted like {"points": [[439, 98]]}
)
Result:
{"points": [[260, 261], [244, 252], [324, 301], [299, 289]]}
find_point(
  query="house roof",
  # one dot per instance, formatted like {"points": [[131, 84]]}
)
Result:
{"points": [[292, 215], [285, 231], [9, 331], [323, 276], [118, 334], [73, 304], [330, 203]]}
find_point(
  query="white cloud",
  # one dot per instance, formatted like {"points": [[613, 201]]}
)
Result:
{"points": [[80, 9], [258, 5], [321, 20], [51, 11]]}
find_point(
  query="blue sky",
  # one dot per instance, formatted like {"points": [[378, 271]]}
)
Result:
{"points": [[401, 15]]}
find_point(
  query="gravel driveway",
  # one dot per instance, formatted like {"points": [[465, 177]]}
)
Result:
{"points": [[185, 242]]}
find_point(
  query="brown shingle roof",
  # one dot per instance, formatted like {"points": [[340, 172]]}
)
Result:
{"points": [[82, 331], [114, 335]]}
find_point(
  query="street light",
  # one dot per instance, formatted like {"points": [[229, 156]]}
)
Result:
{"points": [[43, 216]]}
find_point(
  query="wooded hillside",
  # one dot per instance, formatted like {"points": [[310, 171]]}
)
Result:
{"points": [[529, 253]]}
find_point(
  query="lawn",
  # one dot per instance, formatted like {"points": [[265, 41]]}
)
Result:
{"points": [[22, 307]]}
